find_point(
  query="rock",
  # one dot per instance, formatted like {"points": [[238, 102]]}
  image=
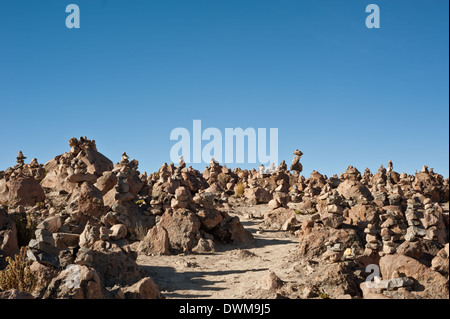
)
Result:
{"points": [[434, 285], [257, 195], [90, 201], [354, 190], [361, 215], [440, 263], [52, 224], [332, 220], [44, 275], [114, 265], [15, 294], [155, 242], [25, 191], [183, 228], [106, 182], [411, 249], [313, 244], [75, 282], [270, 282], [66, 240], [204, 246], [143, 289], [275, 219], [231, 231], [118, 231], [209, 218], [8, 234]]}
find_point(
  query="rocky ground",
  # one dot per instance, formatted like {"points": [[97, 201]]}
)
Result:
{"points": [[81, 227]]}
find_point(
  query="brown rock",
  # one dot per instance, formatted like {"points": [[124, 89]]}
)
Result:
{"points": [[270, 282], [209, 218], [15, 294], [183, 228], [433, 284], [75, 282], [411, 249], [155, 242], [143, 289], [275, 219], [257, 195], [8, 234], [25, 191]]}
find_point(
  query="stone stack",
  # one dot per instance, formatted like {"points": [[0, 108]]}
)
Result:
{"points": [[296, 166], [415, 229], [433, 223], [181, 199], [372, 242], [389, 247]]}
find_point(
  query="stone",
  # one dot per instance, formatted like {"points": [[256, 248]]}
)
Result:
{"points": [[209, 218], [411, 249], [257, 195], [75, 282], [143, 289], [118, 231], [275, 219], [8, 234], [155, 242], [434, 284], [183, 228], [114, 265], [66, 240], [52, 224], [204, 246], [15, 294], [332, 220], [270, 282]]}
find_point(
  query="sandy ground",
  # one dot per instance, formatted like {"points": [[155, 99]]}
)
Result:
{"points": [[231, 272]]}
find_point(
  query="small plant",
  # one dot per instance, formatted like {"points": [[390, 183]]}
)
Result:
{"points": [[140, 231], [140, 202], [18, 275], [40, 204], [298, 212], [324, 296], [239, 189]]}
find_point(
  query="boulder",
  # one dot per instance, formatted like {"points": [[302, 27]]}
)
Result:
{"points": [[22, 190], [75, 282], [143, 289], [8, 234], [155, 242], [257, 195], [183, 228], [430, 284]]}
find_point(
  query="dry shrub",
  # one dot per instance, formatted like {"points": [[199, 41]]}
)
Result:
{"points": [[18, 275], [239, 189]]}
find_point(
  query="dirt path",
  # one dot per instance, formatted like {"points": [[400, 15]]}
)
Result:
{"points": [[230, 272]]}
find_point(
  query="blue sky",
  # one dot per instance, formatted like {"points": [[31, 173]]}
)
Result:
{"points": [[135, 70]]}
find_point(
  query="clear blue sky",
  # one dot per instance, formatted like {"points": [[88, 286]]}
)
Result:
{"points": [[135, 70]]}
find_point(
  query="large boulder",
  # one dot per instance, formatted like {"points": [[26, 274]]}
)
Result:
{"points": [[430, 284], [354, 190], [155, 242], [75, 282], [183, 228], [114, 265], [257, 195], [22, 190], [8, 234]]}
